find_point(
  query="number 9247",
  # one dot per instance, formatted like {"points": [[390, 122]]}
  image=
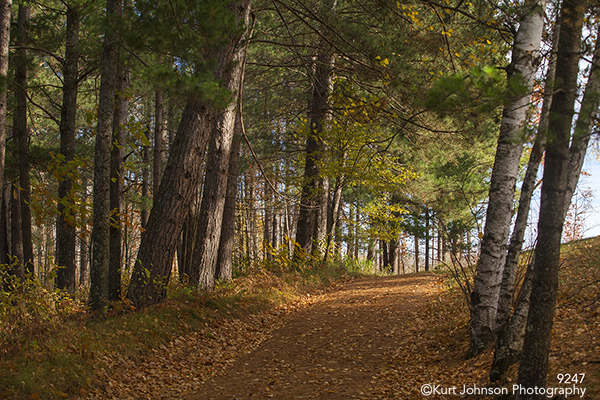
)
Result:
{"points": [[569, 379]]}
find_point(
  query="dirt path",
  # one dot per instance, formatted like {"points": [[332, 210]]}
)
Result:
{"points": [[330, 350]]}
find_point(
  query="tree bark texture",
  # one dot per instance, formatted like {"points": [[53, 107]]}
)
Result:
{"points": [[486, 288], [117, 154], [5, 14], [188, 238], [22, 136], [509, 272], [536, 347], [217, 165], [100, 238], [224, 266], [65, 224], [180, 181], [512, 337]]}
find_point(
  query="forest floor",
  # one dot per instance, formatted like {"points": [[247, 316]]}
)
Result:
{"points": [[316, 333], [375, 337]]}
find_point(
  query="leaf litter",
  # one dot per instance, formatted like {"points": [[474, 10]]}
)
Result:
{"points": [[366, 338]]}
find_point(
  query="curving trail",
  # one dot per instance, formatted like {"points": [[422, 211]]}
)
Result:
{"points": [[331, 349]]}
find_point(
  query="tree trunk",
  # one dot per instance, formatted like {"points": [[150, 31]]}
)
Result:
{"points": [[152, 268], [505, 298], [224, 267], [180, 181], [335, 213], [321, 221], [536, 346], [65, 223], [4, 233], [188, 239], [83, 239], [5, 13], [394, 250], [427, 240], [251, 232], [588, 115], [16, 234], [486, 288], [217, 169], [117, 155], [83, 259], [311, 203], [268, 221], [351, 230], [159, 141], [145, 184], [510, 341], [101, 201], [356, 245], [22, 135], [416, 239]]}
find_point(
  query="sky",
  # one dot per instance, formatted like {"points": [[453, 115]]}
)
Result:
{"points": [[592, 166], [590, 183]]}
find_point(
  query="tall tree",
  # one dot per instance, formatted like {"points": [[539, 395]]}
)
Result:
{"points": [[536, 346], [100, 239], [182, 174], [484, 298], [527, 188], [22, 135], [65, 224], [217, 171], [311, 215], [510, 330], [5, 14]]}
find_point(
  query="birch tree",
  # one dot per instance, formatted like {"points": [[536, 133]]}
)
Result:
{"points": [[484, 298]]}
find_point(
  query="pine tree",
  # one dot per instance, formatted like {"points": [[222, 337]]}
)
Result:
{"points": [[100, 239]]}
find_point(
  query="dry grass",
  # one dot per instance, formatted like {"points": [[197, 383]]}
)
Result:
{"points": [[433, 347]]}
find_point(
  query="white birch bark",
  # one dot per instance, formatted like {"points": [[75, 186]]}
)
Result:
{"points": [[484, 298]]}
